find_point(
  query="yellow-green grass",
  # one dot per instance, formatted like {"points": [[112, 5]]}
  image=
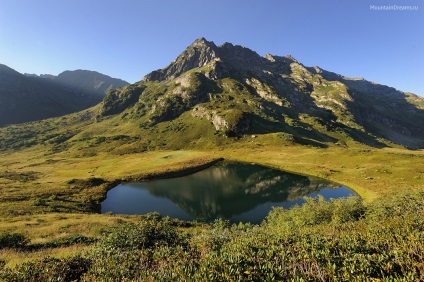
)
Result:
{"points": [[33, 175], [370, 172], [19, 195], [41, 228], [13, 257]]}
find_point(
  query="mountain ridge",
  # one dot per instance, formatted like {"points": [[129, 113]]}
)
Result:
{"points": [[84, 80], [26, 97], [279, 92]]}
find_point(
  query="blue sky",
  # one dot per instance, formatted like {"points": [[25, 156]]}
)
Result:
{"points": [[129, 38]]}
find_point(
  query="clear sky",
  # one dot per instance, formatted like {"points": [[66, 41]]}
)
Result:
{"points": [[129, 38]]}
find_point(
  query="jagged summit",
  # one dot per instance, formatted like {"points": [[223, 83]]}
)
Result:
{"points": [[202, 52], [230, 57], [203, 42], [198, 54]]}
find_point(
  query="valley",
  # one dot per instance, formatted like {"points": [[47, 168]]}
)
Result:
{"points": [[221, 103]]}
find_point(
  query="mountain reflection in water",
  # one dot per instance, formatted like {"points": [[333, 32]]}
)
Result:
{"points": [[235, 191]]}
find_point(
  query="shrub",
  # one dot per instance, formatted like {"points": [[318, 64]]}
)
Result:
{"points": [[13, 240], [39, 202], [69, 240], [87, 183], [286, 137], [348, 209], [146, 234], [48, 269], [317, 211], [397, 204]]}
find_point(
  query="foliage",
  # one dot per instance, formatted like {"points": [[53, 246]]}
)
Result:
{"points": [[13, 240], [286, 136], [48, 269], [336, 240], [398, 205], [69, 240], [39, 202], [117, 100], [90, 182], [148, 233], [318, 211]]}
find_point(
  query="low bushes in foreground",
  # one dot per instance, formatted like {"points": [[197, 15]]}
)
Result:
{"points": [[337, 240], [13, 240], [48, 269]]}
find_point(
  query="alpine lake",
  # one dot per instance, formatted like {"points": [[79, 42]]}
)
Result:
{"points": [[238, 192]]}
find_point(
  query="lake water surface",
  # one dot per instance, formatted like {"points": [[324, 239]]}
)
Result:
{"points": [[233, 191]]}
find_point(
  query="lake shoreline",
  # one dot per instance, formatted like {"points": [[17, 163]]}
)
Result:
{"points": [[155, 176], [234, 191]]}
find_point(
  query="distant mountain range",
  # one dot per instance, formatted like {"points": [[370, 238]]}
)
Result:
{"points": [[30, 97], [85, 81]]}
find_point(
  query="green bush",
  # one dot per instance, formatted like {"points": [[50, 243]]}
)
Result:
{"points": [[48, 269], [39, 202], [87, 183], [286, 137], [148, 233], [398, 204], [69, 240], [13, 240], [317, 211], [146, 249]]}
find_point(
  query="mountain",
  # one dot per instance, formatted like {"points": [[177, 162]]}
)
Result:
{"points": [[219, 96], [30, 97], [89, 81], [239, 93], [84, 81]]}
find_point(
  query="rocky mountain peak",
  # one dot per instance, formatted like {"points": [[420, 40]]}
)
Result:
{"points": [[201, 52], [280, 59], [197, 55], [238, 56], [202, 42]]}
